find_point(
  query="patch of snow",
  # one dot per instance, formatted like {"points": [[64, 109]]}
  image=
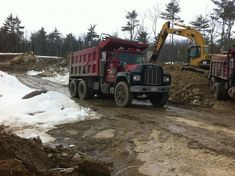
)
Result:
{"points": [[60, 79], [35, 116], [33, 73], [10, 54], [48, 57]]}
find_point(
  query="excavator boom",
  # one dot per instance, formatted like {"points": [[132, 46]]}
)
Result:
{"points": [[185, 31]]}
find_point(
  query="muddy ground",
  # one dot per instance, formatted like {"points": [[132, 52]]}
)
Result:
{"points": [[28, 157], [177, 139]]}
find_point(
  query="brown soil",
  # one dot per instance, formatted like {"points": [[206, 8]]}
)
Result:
{"points": [[25, 157], [189, 87], [48, 65]]}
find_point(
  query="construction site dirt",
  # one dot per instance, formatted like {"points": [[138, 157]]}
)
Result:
{"points": [[178, 139], [185, 137]]}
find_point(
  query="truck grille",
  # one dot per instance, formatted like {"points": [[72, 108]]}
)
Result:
{"points": [[152, 75]]}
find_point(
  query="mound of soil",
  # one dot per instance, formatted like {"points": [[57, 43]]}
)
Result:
{"points": [[189, 87], [25, 157], [49, 65]]}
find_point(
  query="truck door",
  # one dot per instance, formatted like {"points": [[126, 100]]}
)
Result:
{"points": [[112, 68]]}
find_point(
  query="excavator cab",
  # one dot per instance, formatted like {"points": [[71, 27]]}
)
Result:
{"points": [[194, 52], [198, 56]]}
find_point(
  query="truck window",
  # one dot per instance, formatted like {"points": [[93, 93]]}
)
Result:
{"points": [[130, 58]]}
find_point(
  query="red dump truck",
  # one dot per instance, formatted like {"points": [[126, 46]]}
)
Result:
{"points": [[222, 75], [116, 66]]}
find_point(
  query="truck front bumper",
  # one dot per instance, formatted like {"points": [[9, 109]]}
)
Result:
{"points": [[149, 89]]}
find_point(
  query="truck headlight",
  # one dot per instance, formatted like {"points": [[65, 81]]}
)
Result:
{"points": [[166, 79], [136, 78]]}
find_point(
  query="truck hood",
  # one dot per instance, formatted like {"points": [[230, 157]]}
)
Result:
{"points": [[132, 67]]}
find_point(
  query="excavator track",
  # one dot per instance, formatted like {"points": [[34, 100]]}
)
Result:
{"points": [[196, 69]]}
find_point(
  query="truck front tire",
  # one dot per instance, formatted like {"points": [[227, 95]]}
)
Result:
{"points": [[73, 89], [122, 95], [159, 99]]}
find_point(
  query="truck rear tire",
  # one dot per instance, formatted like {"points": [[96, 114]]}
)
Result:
{"points": [[83, 90], [73, 89], [123, 97], [159, 99], [219, 91], [212, 84]]}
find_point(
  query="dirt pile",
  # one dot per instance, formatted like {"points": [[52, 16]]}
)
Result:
{"points": [[24, 63], [25, 157], [25, 58], [189, 87]]}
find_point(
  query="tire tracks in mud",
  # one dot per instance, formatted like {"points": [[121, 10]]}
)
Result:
{"points": [[41, 84]]}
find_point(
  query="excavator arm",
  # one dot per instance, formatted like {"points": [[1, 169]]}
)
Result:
{"points": [[160, 41], [185, 31]]}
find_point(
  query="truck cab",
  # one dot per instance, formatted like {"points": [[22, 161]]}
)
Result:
{"points": [[122, 61]]}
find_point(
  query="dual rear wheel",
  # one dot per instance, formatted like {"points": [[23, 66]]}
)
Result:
{"points": [[80, 89], [217, 88]]}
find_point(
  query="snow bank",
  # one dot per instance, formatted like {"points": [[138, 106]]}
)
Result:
{"points": [[35, 116], [60, 79], [33, 73]]}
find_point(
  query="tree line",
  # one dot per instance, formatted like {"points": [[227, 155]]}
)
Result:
{"points": [[215, 26], [40, 42]]}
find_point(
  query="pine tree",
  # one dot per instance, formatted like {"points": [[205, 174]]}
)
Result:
{"points": [[142, 36], [172, 10], [70, 44], [3, 40], [39, 42], [91, 38], [201, 24], [132, 23], [55, 43], [80, 43], [12, 27], [225, 10], [213, 31], [171, 14]]}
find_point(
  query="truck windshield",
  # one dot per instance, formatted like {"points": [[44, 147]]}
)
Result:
{"points": [[131, 58]]}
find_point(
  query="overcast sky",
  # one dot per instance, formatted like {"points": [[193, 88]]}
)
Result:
{"points": [[76, 15]]}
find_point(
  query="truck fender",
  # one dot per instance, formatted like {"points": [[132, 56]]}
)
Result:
{"points": [[122, 76]]}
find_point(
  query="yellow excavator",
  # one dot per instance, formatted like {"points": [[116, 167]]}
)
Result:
{"points": [[197, 54]]}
